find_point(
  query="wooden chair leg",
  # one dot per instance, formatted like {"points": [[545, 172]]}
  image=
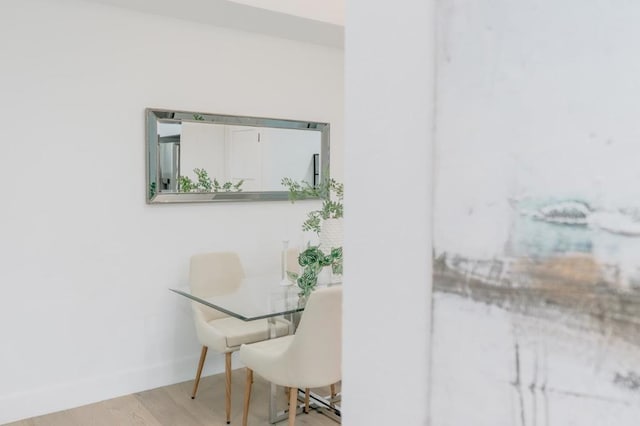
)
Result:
{"points": [[332, 400], [247, 396], [306, 401], [293, 406], [203, 356], [227, 370]]}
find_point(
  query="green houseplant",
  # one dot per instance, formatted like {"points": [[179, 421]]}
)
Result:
{"points": [[206, 184], [316, 257], [312, 260], [330, 191]]}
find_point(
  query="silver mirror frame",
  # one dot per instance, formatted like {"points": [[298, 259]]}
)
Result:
{"points": [[154, 115]]}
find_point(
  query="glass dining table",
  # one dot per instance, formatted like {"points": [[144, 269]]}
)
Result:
{"points": [[266, 298]]}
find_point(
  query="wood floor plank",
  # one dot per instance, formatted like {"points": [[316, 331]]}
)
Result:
{"points": [[208, 406], [61, 418], [124, 411], [26, 422], [166, 410], [172, 406]]}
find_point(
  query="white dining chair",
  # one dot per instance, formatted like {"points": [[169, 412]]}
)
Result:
{"points": [[215, 274], [308, 359]]}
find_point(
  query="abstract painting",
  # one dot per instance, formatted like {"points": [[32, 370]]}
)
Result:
{"points": [[536, 262]]}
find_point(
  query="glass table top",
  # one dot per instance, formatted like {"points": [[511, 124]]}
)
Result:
{"points": [[256, 298]]}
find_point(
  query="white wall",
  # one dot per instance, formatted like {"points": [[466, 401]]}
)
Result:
{"points": [[389, 80], [86, 264]]}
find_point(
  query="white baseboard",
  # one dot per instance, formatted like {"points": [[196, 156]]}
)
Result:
{"points": [[58, 397]]}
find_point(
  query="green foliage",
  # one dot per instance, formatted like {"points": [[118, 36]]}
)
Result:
{"points": [[198, 117], [329, 191], [205, 184], [204, 181], [336, 265], [312, 260], [185, 184], [152, 190], [227, 186]]}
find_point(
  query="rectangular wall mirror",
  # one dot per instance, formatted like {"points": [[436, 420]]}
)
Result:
{"points": [[201, 157]]}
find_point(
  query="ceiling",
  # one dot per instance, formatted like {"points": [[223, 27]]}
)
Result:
{"points": [[330, 11], [311, 21]]}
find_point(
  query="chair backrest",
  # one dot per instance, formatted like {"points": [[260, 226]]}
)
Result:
{"points": [[214, 274], [315, 355]]}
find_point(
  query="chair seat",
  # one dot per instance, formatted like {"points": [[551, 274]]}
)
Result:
{"points": [[227, 334], [265, 358]]}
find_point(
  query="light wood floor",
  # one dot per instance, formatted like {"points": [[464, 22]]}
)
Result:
{"points": [[173, 406]]}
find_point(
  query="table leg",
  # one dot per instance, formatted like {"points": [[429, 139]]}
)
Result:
{"points": [[327, 405], [272, 328], [276, 416], [273, 408]]}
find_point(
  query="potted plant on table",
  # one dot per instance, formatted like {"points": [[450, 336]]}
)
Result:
{"points": [[327, 223], [312, 260]]}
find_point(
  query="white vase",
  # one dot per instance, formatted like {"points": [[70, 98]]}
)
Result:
{"points": [[331, 237], [325, 276]]}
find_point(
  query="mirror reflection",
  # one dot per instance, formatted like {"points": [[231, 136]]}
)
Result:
{"points": [[210, 157]]}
